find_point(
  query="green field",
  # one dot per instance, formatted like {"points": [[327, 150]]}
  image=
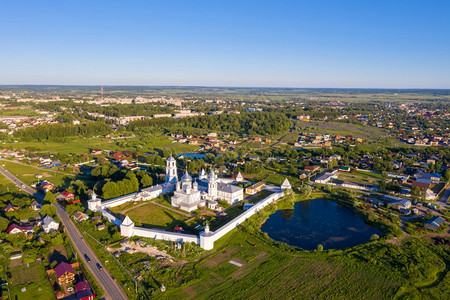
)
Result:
{"points": [[26, 173], [35, 281], [77, 145], [360, 177], [370, 271], [4, 180], [151, 215], [355, 130]]}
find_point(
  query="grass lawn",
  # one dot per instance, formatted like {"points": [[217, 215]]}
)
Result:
{"points": [[32, 278], [4, 180], [278, 179], [369, 271], [72, 145], [369, 175], [270, 274], [76, 145], [261, 195], [356, 130], [27, 173], [151, 215], [360, 177]]}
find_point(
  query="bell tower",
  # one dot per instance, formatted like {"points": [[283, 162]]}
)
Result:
{"points": [[171, 170], [212, 186]]}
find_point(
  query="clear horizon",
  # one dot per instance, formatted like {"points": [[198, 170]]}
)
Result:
{"points": [[265, 44]]}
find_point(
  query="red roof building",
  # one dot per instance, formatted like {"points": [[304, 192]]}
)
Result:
{"points": [[68, 195], [64, 273], [14, 229]]}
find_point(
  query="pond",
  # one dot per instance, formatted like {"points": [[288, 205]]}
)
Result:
{"points": [[318, 221], [191, 155], [194, 155]]}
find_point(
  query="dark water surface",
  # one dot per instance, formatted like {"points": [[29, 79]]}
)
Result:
{"points": [[318, 221]]}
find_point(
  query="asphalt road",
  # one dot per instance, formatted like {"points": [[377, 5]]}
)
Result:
{"points": [[111, 288]]}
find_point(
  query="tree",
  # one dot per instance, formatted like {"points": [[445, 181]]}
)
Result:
{"points": [[447, 175], [415, 193], [320, 247], [3, 224], [332, 163], [70, 209], [110, 190], [50, 197], [146, 181], [306, 190], [374, 237], [289, 195], [48, 209]]}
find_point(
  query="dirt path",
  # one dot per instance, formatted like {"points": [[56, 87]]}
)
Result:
{"points": [[172, 209], [123, 212], [152, 251]]}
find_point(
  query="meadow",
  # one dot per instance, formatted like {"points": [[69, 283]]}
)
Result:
{"points": [[373, 271], [152, 215], [34, 279], [27, 173], [343, 129], [80, 145]]}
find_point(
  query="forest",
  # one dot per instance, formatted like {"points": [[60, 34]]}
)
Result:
{"points": [[254, 123], [52, 131]]}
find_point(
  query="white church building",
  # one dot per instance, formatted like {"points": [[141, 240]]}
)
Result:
{"points": [[191, 194]]}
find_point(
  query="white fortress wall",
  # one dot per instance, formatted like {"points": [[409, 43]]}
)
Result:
{"points": [[207, 240], [120, 200], [110, 217], [158, 234]]}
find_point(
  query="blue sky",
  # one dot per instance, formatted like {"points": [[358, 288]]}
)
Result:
{"points": [[384, 44]]}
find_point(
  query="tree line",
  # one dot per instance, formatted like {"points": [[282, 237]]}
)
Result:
{"points": [[52, 131], [254, 123]]}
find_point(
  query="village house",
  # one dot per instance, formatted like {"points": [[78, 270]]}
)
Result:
{"points": [[65, 273], [15, 229], [255, 188], [423, 184], [66, 196], [35, 205], [433, 177], [400, 204], [80, 216], [45, 186], [325, 178], [9, 208], [96, 152], [49, 224], [45, 160], [434, 223], [312, 169], [84, 291]]}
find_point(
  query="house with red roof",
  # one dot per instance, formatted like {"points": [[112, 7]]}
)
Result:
{"points": [[312, 169], [45, 186], [84, 291], [14, 229], [65, 273]]}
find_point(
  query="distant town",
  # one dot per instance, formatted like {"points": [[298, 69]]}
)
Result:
{"points": [[157, 192]]}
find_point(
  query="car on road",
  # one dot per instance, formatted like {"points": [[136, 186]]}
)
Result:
{"points": [[87, 258], [99, 266]]}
